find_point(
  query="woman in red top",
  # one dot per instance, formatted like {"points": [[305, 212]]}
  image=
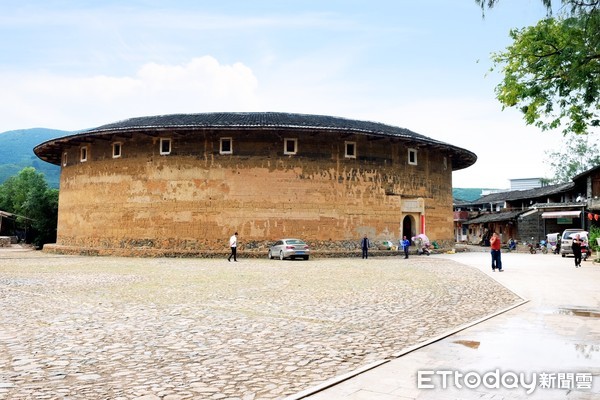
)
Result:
{"points": [[496, 260]]}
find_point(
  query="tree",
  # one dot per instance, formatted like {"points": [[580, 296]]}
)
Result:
{"points": [[27, 195], [569, 6], [552, 70], [579, 154], [593, 241]]}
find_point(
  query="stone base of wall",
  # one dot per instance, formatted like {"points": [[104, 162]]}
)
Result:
{"points": [[5, 241], [148, 252]]}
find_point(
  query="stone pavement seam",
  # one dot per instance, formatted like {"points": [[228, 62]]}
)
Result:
{"points": [[341, 378]]}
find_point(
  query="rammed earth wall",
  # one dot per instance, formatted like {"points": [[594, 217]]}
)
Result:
{"points": [[191, 200]]}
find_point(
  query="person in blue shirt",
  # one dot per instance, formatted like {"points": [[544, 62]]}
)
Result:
{"points": [[405, 244]]}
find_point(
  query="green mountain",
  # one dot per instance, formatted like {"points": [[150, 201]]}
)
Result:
{"points": [[16, 153], [466, 195]]}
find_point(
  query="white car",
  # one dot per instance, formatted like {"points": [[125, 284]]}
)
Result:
{"points": [[289, 248], [567, 240]]}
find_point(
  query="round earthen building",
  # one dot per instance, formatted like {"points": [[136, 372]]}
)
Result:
{"points": [[182, 184]]}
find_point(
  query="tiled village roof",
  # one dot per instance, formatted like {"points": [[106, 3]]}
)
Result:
{"points": [[496, 217], [524, 194], [587, 173], [566, 204], [51, 150]]}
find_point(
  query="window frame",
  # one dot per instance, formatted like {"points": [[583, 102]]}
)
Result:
{"points": [[65, 159], [413, 152], [350, 143], [226, 139], [285, 146], [116, 145], [84, 153], [165, 140]]}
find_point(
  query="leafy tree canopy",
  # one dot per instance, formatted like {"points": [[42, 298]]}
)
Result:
{"points": [[579, 154], [568, 6], [552, 70], [28, 196]]}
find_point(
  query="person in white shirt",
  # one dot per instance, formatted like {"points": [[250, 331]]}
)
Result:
{"points": [[233, 245]]}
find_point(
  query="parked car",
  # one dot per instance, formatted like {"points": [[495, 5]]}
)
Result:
{"points": [[289, 248], [567, 240]]}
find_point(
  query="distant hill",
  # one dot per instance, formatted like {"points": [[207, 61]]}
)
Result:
{"points": [[466, 195], [16, 153]]}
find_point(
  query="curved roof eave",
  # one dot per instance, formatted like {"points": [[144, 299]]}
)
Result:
{"points": [[50, 150]]}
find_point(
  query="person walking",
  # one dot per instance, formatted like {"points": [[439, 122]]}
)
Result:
{"points": [[364, 245], [576, 246], [233, 245], [405, 244], [496, 259]]}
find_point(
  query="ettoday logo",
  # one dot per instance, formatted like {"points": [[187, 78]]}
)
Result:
{"points": [[496, 379]]}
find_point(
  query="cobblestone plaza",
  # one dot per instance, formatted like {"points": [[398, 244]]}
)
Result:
{"points": [[139, 328]]}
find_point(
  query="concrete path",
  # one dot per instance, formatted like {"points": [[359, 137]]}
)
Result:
{"points": [[554, 338]]}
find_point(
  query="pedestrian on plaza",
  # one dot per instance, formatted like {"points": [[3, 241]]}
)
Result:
{"points": [[233, 245], [576, 246], [364, 245], [496, 259], [405, 244]]}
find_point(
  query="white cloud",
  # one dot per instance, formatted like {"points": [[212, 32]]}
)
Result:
{"points": [[71, 103], [505, 146]]}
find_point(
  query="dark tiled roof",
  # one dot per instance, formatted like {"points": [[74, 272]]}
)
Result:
{"points": [[525, 194], [570, 204], [586, 173], [496, 217], [255, 120], [459, 203]]}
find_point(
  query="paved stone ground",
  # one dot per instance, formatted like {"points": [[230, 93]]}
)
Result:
{"points": [[127, 328]]}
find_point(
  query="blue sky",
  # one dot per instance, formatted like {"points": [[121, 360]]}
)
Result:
{"points": [[421, 65]]}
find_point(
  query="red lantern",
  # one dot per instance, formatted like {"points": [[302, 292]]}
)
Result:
{"points": [[596, 217], [590, 216]]}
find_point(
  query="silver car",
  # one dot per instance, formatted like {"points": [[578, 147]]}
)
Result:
{"points": [[289, 248], [567, 240]]}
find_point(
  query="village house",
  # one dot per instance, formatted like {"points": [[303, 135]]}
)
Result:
{"points": [[530, 215], [7, 229]]}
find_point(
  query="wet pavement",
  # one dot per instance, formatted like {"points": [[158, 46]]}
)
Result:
{"points": [[554, 338], [124, 328]]}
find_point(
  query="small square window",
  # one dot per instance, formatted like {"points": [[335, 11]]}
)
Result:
{"points": [[226, 146], [84, 154], [116, 150], [412, 156], [350, 150], [290, 146], [165, 146], [65, 159]]}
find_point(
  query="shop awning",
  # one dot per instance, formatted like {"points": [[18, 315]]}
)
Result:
{"points": [[561, 214]]}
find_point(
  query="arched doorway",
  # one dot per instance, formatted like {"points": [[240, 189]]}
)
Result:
{"points": [[408, 227]]}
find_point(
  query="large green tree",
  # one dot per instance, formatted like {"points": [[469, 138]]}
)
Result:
{"points": [[28, 196], [552, 70], [577, 155]]}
